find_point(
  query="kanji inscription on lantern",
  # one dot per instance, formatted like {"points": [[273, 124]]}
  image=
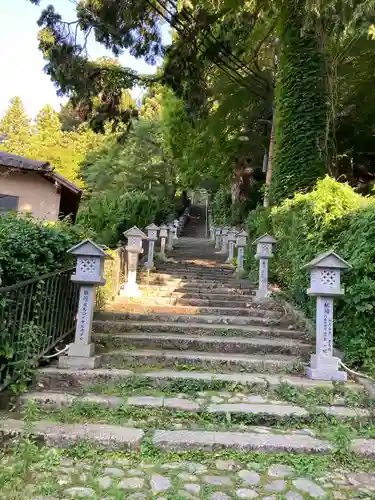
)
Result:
{"points": [[83, 314]]}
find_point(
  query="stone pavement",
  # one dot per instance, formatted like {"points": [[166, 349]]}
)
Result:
{"points": [[219, 479]]}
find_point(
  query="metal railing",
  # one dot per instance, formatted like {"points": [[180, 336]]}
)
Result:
{"points": [[35, 315]]}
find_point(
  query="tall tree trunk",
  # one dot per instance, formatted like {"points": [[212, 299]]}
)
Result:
{"points": [[267, 197]]}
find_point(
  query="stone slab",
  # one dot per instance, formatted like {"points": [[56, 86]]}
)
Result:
{"points": [[344, 412], [79, 362], [270, 364], [211, 440], [278, 410], [363, 447], [108, 437], [61, 400]]}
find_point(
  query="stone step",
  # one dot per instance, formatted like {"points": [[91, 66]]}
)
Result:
{"points": [[184, 291], [227, 302], [69, 379], [108, 437], [196, 283], [215, 361], [191, 305], [200, 319], [191, 268], [236, 345], [113, 327], [266, 410], [143, 307], [242, 441]]}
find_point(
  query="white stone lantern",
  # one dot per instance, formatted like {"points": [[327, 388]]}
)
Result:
{"points": [[325, 271], [217, 237], [163, 240], [134, 248], [89, 273], [152, 236], [241, 243], [175, 230], [224, 240], [212, 233], [264, 252], [232, 237], [171, 230]]}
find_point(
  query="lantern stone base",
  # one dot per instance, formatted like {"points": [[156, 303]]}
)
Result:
{"points": [[130, 290], [79, 362], [325, 368], [262, 294]]}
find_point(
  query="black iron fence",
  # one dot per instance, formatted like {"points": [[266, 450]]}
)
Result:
{"points": [[35, 315]]}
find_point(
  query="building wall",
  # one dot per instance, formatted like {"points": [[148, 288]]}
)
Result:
{"points": [[36, 194]]}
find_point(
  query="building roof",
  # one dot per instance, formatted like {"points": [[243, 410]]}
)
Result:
{"points": [[16, 162], [22, 163]]}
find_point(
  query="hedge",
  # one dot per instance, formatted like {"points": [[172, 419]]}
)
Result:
{"points": [[332, 216]]}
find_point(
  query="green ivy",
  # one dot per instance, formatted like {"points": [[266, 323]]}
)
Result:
{"points": [[301, 109], [222, 207]]}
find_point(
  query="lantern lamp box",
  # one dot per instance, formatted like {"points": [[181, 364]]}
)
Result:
{"points": [[241, 238], [135, 237], [264, 246], [325, 274], [152, 231], [90, 262], [163, 231]]}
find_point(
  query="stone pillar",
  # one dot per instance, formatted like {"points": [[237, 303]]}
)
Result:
{"points": [[264, 253], [217, 238], [224, 240], [232, 236], [171, 229], [134, 248], [241, 244], [325, 284], [89, 273], [163, 240], [152, 236]]}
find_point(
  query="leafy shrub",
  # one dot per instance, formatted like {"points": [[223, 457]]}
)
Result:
{"points": [[109, 215], [221, 207], [29, 248], [332, 216]]}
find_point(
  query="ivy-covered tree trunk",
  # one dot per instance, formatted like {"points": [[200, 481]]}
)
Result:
{"points": [[301, 106]]}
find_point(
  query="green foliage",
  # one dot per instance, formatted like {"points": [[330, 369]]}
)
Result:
{"points": [[221, 207], [299, 158], [29, 248], [46, 140], [332, 216]]}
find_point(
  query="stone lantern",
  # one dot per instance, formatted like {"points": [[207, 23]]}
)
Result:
{"points": [[134, 248], [224, 240], [152, 236], [163, 240], [89, 274], [171, 230], [264, 252], [232, 237], [175, 231], [241, 243], [325, 277], [217, 237]]}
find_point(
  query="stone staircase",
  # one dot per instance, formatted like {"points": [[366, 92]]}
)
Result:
{"points": [[197, 364]]}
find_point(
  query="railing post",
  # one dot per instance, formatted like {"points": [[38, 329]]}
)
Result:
{"points": [[89, 274], [232, 236], [170, 236], [264, 253], [217, 238], [240, 244], [325, 277], [134, 248], [163, 240], [152, 236]]}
